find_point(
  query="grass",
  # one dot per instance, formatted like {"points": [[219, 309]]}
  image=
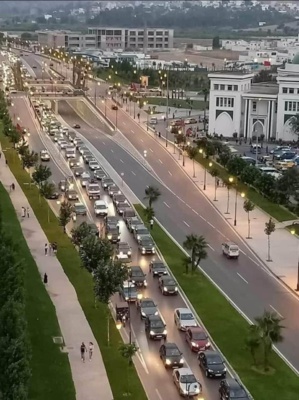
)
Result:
{"points": [[178, 103], [274, 210], [51, 374], [81, 280], [226, 326]]}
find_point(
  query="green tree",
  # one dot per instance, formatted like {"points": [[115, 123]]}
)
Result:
{"points": [[266, 183], [215, 173], [47, 189], [250, 174], [216, 42], [253, 341], [23, 148], [14, 137], [149, 213], [29, 159], [288, 184], [152, 194], [198, 247], [192, 153], [65, 214], [94, 251], [224, 156], [80, 233], [270, 329], [269, 229], [248, 207], [41, 174], [128, 351], [236, 165]]}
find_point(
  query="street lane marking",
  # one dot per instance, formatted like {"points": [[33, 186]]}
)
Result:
{"points": [[141, 140], [151, 150], [250, 258], [203, 218], [243, 252], [194, 211], [158, 394], [132, 131], [211, 224], [160, 161], [281, 316], [166, 204], [104, 143], [186, 224], [112, 151], [240, 276], [211, 247], [133, 173], [170, 173], [121, 161]]}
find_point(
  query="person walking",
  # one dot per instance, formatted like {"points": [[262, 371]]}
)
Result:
{"points": [[90, 348], [27, 212], [54, 247], [45, 278], [82, 351], [13, 187], [151, 223], [23, 212], [46, 249]]}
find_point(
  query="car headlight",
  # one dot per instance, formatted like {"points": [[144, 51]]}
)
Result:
{"points": [[152, 333], [127, 298], [109, 237], [165, 332], [208, 344], [129, 253], [62, 187], [197, 390], [194, 344], [143, 314], [165, 289], [185, 391], [156, 313], [224, 369], [176, 289], [182, 361], [210, 370], [153, 249], [138, 237], [143, 250], [145, 282], [167, 362], [133, 281], [118, 236]]}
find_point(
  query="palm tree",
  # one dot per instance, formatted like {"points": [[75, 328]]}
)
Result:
{"points": [[215, 173], [152, 193], [253, 341], [192, 153], [149, 213], [186, 263], [198, 247], [270, 330], [248, 207]]}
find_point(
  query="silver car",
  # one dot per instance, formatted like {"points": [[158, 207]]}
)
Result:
{"points": [[186, 383]]}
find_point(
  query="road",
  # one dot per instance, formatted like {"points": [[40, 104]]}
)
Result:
{"points": [[157, 380]]}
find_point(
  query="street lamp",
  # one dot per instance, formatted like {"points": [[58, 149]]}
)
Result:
{"points": [[144, 155], [122, 178], [293, 232], [205, 176], [236, 205], [230, 181], [188, 144], [118, 325]]}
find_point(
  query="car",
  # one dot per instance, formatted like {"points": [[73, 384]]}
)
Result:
{"points": [[171, 355], [132, 222], [123, 252], [63, 185], [189, 121], [121, 207], [100, 208], [212, 363], [72, 195], [99, 174], [93, 190], [153, 121], [106, 182], [186, 382], [139, 231], [44, 155], [70, 135], [197, 338], [119, 198], [113, 189], [76, 126], [74, 162], [231, 389], [78, 171], [157, 268], [57, 137], [168, 285], [128, 214], [94, 165], [53, 196], [82, 149], [146, 306], [80, 209], [129, 291], [277, 149], [137, 276], [34, 66], [230, 250], [183, 318], [155, 327], [284, 156], [88, 157], [62, 144], [114, 107], [112, 220], [146, 245], [112, 233], [85, 177], [78, 143]]}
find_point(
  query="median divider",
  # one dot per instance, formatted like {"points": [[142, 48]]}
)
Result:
{"points": [[226, 325]]}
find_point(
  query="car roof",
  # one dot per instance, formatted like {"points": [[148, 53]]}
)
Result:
{"points": [[156, 262], [196, 329], [232, 383], [134, 267], [123, 244], [79, 205], [155, 317], [167, 278], [185, 371], [147, 299], [184, 310], [100, 202], [171, 345], [212, 353]]}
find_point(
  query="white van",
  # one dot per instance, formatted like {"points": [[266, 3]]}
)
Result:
{"points": [[70, 152], [230, 250]]}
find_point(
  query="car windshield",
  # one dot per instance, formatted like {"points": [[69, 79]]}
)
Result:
{"points": [[157, 324], [188, 379], [214, 359], [147, 242], [148, 303], [173, 351], [93, 187], [142, 231], [234, 248], [101, 206], [170, 282], [137, 273], [199, 335], [158, 265], [237, 393], [186, 316], [130, 291], [80, 207]]}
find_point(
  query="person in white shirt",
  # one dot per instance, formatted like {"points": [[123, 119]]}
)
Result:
{"points": [[91, 347]]}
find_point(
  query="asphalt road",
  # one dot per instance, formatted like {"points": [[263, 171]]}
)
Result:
{"points": [[157, 380]]}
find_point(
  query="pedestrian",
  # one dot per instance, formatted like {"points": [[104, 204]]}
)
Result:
{"points": [[91, 347], [45, 278], [82, 351], [0, 155], [46, 249], [159, 134], [6, 162], [13, 187], [151, 223], [50, 249], [27, 212], [23, 212], [267, 150]]}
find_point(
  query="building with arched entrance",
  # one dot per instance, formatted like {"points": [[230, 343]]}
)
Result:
{"points": [[240, 108]]}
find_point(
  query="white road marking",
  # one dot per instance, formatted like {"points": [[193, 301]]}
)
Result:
{"points": [[158, 394], [112, 151], [243, 252], [194, 211], [250, 258], [211, 224], [281, 316], [186, 224], [243, 279], [188, 206], [151, 150], [121, 161], [203, 218], [141, 140], [170, 173], [104, 143], [166, 204], [160, 161], [211, 247], [133, 173], [132, 131]]}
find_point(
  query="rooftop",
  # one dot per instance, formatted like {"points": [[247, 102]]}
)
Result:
{"points": [[264, 88]]}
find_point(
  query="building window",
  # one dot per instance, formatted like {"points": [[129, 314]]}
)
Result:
{"points": [[286, 106], [235, 88], [217, 101], [230, 87], [291, 90], [294, 108], [216, 87], [284, 90], [254, 106], [222, 87]]}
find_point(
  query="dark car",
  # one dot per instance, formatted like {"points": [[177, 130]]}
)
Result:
{"points": [[212, 363], [129, 291], [114, 107], [63, 185], [72, 195], [52, 196], [76, 126], [139, 231], [99, 174], [155, 327], [112, 220], [287, 155], [231, 389], [80, 209], [137, 276], [113, 189], [128, 214], [106, 182], [112, 233], [132, 222], [146, 245], [123, 252], [121, 207], [158, 268], [118, 198], [147, 307], [171, 355], [168, 285], [78, 171]]}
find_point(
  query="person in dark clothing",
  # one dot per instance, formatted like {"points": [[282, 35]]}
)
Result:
{"points": [[45, 278], [83, 351]]}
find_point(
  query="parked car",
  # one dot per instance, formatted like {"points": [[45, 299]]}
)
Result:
{"points": [[158, 268], [184, 319], [147, 307], [168, 285], [186, 383], [212, 363], [231, 389], [197, 338], [171, 355], [155, 327]]}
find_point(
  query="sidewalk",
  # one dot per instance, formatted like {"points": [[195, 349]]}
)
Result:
{"points": [[90, 378]]}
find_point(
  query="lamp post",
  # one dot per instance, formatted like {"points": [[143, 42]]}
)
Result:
{"points": [[188, 144], [122, 178], [230, 181], [144, 155], [205, 176], [293, 232], [236, 205]]}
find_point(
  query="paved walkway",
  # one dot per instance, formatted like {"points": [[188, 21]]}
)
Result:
{"points": [[90, 378]]}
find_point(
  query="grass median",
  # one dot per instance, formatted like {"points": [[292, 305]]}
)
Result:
{"points": [[275, 210], [226, 326], [50, 368], [81, 280]]}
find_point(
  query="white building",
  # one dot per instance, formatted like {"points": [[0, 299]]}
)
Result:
{"points": [[238, 106]]}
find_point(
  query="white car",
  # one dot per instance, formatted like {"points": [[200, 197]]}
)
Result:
{"points": [[183, 318], [85, 177], [94, 165], [100, 207], [186, 383], [44, 155]]}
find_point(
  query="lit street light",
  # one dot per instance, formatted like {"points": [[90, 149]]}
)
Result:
{"points": [[205, 176], [230, 181], [236, 205]]}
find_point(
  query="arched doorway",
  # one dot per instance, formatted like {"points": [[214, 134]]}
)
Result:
{"points": [[224, 125], [258, 129]]}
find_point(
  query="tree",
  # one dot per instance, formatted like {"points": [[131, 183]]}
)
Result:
{"points": [[287, 185], [263, 76], [41, 174], [14, 137], [186, 261], [270, 330], [152, 194], [224, 156], [248, 207], [94, 251], [128, 350], [216, 42], [236, 165], [29, 159], [215, 173], [149, 213], [192, 153], [250, 174], [198, 247], [269, 229], [253, 341], [266, 183], [23, 148], [47, 189], [65, 214], [80, 233]]}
